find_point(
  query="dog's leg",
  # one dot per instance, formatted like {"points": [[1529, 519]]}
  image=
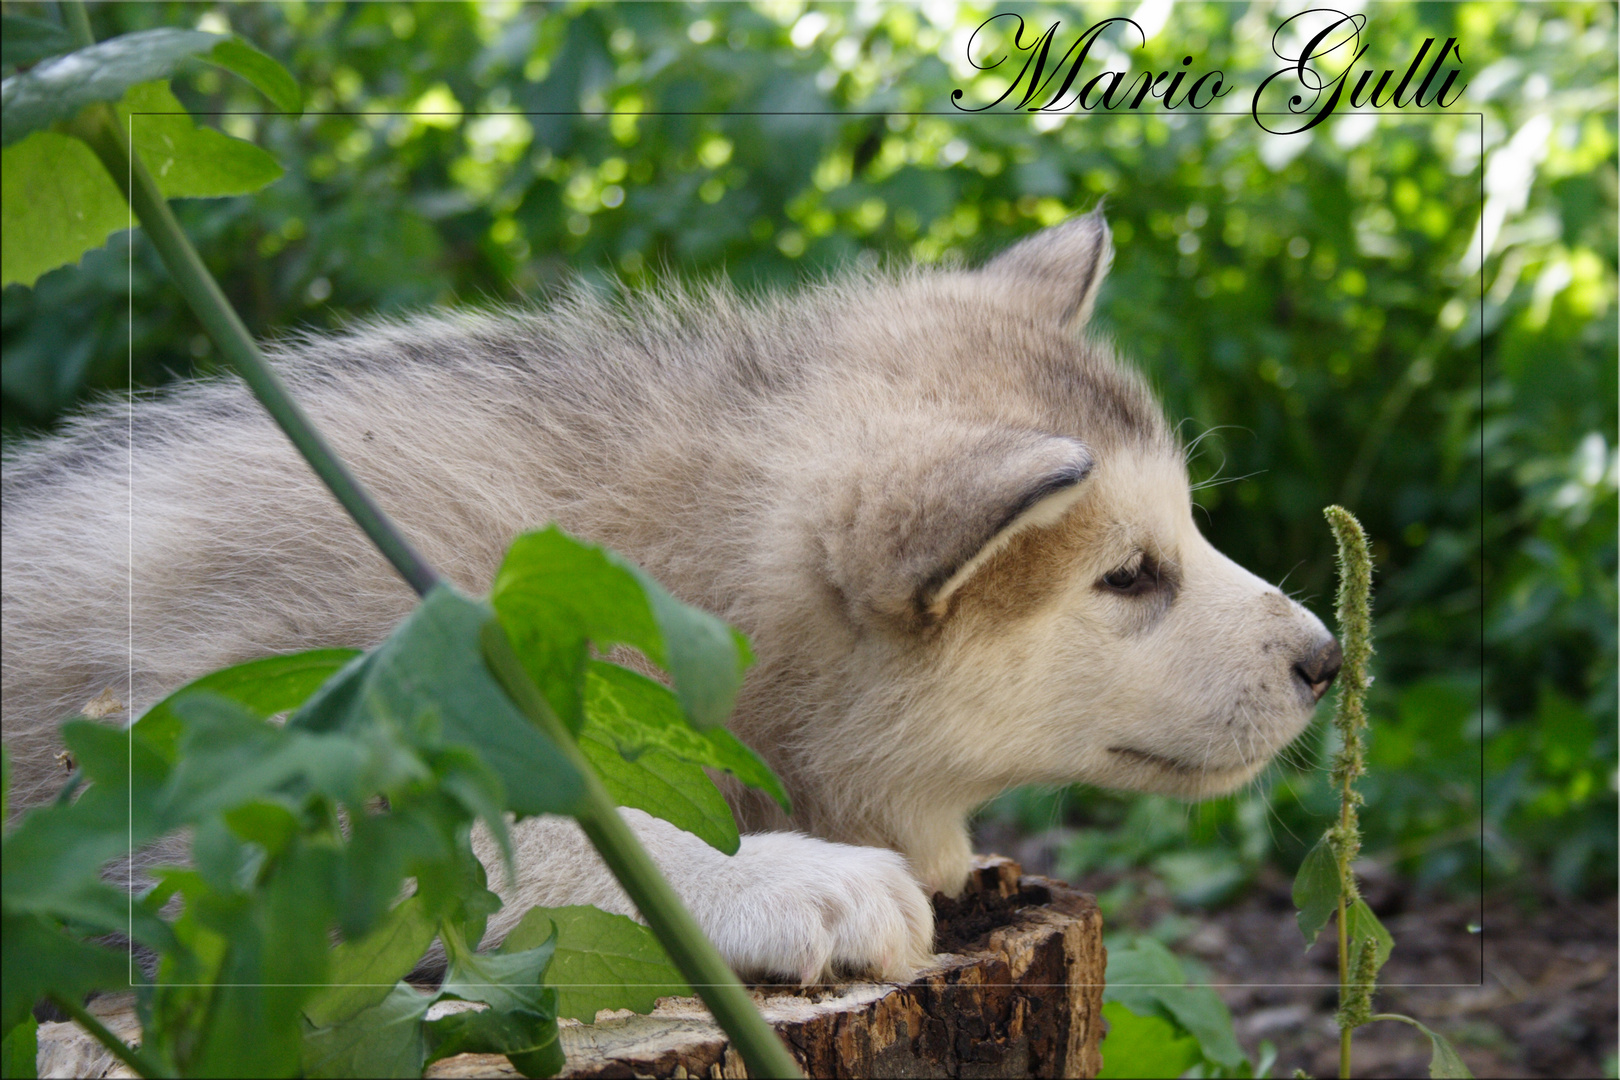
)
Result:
{"points": [[784, 905]]}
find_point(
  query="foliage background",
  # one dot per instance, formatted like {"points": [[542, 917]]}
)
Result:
{"points": [[1310, 303]]}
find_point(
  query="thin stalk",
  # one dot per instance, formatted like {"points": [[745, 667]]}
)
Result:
{"points": [[677, 931], [1350, 717], [120, 1049], [1344, 990], [100, 128]]}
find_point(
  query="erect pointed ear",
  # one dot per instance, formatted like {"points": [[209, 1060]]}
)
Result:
{"points": [[920, 528], [1060, 270]]}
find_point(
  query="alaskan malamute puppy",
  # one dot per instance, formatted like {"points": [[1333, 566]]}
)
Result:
{"points": [[956, 530]]}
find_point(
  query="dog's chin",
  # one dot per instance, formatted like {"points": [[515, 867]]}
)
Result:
{"points": [[1165, 774]]}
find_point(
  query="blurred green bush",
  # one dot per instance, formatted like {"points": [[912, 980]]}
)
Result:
{"points": [[1312, 304]]}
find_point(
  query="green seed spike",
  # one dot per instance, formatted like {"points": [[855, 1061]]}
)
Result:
{"points": [[1350, 717], [1355, 632], [1356, 1009]]}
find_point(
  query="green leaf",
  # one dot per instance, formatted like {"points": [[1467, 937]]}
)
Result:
{"points": [[505, 980], [521, 1021], [667, 787], [229, 756], [528, 1039], [550, 580], [1361, 924], [37, 958], [364, 972], [188, 161], [430, 678], [602, 960], [1144, 1046], [19, 1051], [637, 713], [384, 1041], [266, 687], [1316, 890], [56, 203], [56, 90], [24, 40], [1444, 1060], [57, 851], [266, 74], [277, 951], [1147, 978]]}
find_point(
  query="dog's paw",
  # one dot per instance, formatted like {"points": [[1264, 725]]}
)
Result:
{"points": [[811, 910]]}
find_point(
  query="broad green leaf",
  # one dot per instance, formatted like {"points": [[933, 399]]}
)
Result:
{"points": [[528, 1039], [521, 1021], [430, 678], [1316, 890], [188, 161], [1144, 1046], [266, 687], [56, 90], [19, 1051], [37, 958], [1361, 924], [364, 972], [1444, 1061], [278, 952], [1147, 978], [57, 851], [56, 203], [637, 713], [549, 579], [505, 981], [384, 1041], [667, 787], [602, 960], [125, 767], [229, 756], [265, 822], [275, 82], [24, 40]]}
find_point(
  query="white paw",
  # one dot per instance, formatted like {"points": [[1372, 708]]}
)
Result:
{"points": [[790, 905]]}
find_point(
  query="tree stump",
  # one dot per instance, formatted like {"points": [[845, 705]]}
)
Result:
{"points": [[1016, 991]]}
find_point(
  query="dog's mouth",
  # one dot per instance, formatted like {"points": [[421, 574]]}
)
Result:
{"points": [[1159, 761]]}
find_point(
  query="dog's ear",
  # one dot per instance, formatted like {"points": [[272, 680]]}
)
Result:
{"points": [[918, 529], [1059, 270]]}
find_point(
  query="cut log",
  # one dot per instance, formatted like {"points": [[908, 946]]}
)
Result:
{"points": [[1015, 991]]}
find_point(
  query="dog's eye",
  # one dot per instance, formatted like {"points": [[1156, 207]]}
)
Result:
{"points": [[1137, 576], [1123, 578]]}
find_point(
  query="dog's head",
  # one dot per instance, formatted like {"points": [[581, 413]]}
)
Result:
{"points": [[1016, 558]]}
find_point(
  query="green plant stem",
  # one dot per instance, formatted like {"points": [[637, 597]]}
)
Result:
{"points": [[696, 958], [100, 128], [120, 1049], [1344, 990]]}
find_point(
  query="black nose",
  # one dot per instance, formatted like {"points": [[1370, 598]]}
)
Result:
{"points": [[1316, 671]]}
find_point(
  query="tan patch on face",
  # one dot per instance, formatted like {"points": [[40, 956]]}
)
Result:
{"points": [[1031, 571]]}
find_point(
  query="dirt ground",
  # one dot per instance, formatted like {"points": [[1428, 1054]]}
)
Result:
{"points": [[1532, 994]]}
